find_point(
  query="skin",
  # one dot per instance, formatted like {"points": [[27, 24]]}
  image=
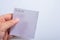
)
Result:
{"points": [[6, 22]]}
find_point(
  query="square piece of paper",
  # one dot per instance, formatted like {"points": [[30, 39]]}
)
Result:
{"points": [[27, 24]]}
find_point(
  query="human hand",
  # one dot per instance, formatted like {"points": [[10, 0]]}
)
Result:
{"points": [[6, 22]]}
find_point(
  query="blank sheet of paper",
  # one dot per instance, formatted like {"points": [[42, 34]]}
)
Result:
{"points": [[27, 24]]}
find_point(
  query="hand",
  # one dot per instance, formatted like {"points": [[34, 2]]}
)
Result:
{"points": [[6, 22]]}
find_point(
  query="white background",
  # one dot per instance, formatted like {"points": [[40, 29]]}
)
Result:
{"points": [[48, 27]]}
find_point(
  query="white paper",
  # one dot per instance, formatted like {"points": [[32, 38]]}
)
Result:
{"points": [[27, 24]]}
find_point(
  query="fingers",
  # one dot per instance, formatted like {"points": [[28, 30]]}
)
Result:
{"points": [[9, 24], [2, 19], [7, 16]]}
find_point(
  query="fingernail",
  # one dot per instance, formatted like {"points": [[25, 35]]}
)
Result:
{"points": [[11, 16], [17, 20]]}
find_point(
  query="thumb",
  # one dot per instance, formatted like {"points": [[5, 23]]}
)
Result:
{"points": [[11, 23]]}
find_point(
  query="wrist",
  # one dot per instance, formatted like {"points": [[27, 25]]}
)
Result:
{"points": [[2, 34]]}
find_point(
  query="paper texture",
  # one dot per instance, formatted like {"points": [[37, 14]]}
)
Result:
{"points": [[27, 24]]}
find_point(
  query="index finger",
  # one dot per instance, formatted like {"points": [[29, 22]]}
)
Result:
{"points": [[7, 16]]}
